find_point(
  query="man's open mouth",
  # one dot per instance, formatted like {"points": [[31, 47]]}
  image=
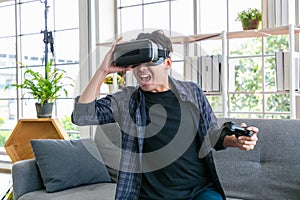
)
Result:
{"points": [[145, 78]]}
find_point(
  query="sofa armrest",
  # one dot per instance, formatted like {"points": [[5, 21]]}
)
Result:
{"points": [[26, 177]]}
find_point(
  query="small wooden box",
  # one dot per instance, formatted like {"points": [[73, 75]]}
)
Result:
{"points": [[18, 145]]}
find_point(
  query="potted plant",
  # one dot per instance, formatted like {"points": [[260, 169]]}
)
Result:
{"points": [[45, 89], [110, 78], [250, 18]]}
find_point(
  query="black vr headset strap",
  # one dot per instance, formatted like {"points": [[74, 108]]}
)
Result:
{"points": [[163, 53]]}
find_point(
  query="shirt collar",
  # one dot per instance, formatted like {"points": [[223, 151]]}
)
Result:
{"points": [[183, 91]]}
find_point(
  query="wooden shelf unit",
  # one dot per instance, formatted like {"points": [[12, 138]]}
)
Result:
{"points": [[291, 30], [18, 145]]}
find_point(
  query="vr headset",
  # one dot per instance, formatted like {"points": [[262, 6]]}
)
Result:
{"points": [[137, 52]]}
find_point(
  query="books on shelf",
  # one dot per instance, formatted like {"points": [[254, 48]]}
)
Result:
{"points": [[217, 63], [282, 61], [284, 13], [271, 13], [204, 70], [277, 13], [208, 73], [203, 73], [191, 69], [279, 70], [264, 6]]}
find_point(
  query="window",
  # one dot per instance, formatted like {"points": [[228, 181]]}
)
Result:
{"points": [[25, 43], [252, 81]]}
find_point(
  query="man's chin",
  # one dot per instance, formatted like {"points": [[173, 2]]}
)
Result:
{"points": [[146, 87]]}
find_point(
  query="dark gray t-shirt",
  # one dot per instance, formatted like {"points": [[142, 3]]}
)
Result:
{"points": [[187, 176]]}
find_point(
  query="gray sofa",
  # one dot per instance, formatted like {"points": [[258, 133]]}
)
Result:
{"points": [[270, 172]]}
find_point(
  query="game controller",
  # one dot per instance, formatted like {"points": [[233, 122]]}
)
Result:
{"points": [[237, 130]]}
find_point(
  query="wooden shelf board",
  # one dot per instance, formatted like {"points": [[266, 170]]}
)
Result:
{"points": [[230, 35], [261, 32], [195, 38]]}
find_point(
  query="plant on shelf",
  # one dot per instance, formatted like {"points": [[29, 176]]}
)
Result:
{"points": [[120, 79], [250, 18], [45, 89]]}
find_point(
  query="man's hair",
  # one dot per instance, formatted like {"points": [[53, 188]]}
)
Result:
{"points": [[159, 38]]}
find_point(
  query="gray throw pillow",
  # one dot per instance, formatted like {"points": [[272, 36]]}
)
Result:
{"points": [[69, 163]]}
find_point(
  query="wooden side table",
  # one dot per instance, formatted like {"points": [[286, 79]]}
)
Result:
{"points": [[18, 145]]}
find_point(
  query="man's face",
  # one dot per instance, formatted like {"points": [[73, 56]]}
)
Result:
{"points": [[153, 78]]}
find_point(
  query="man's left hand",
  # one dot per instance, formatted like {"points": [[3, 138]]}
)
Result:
{"points": [[242, 142]]}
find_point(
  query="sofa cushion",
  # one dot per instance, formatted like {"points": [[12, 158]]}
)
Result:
{"points": [[69, 163], [99, 191], [271, 170]]}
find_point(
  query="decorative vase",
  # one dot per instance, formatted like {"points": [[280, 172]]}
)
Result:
{"points": [[44, 111], [250, 24]]}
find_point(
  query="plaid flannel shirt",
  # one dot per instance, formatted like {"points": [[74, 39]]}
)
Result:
{"points": [[127, 108]]}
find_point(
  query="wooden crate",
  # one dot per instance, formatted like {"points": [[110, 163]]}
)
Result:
{"points": [[18, 145]]}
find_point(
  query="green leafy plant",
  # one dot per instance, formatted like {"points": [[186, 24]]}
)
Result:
{"points": [[249, 14], [44, 89]]}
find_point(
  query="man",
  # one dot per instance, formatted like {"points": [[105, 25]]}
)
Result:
{"points": [[168, 130]]}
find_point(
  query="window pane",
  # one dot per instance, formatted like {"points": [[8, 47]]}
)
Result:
{"points": [[212, 16], [211, 47], [131, 18], [8, 110], [270, 75], [278, 116], [245, 75], [66, 45], [246, 115], [72, 71], [245, 47], [215, 102], [129, 2], [246, 102], [7, 12], [278, 102], [64, 107], [7, 52], [34, 11], [7, 119], [63, 20], [151, 1], [6, 3], [23, 1], [7, 76], [65, 118], [32, 49], [275, 43], [157, 16], [28, 108], [183, 24]]}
